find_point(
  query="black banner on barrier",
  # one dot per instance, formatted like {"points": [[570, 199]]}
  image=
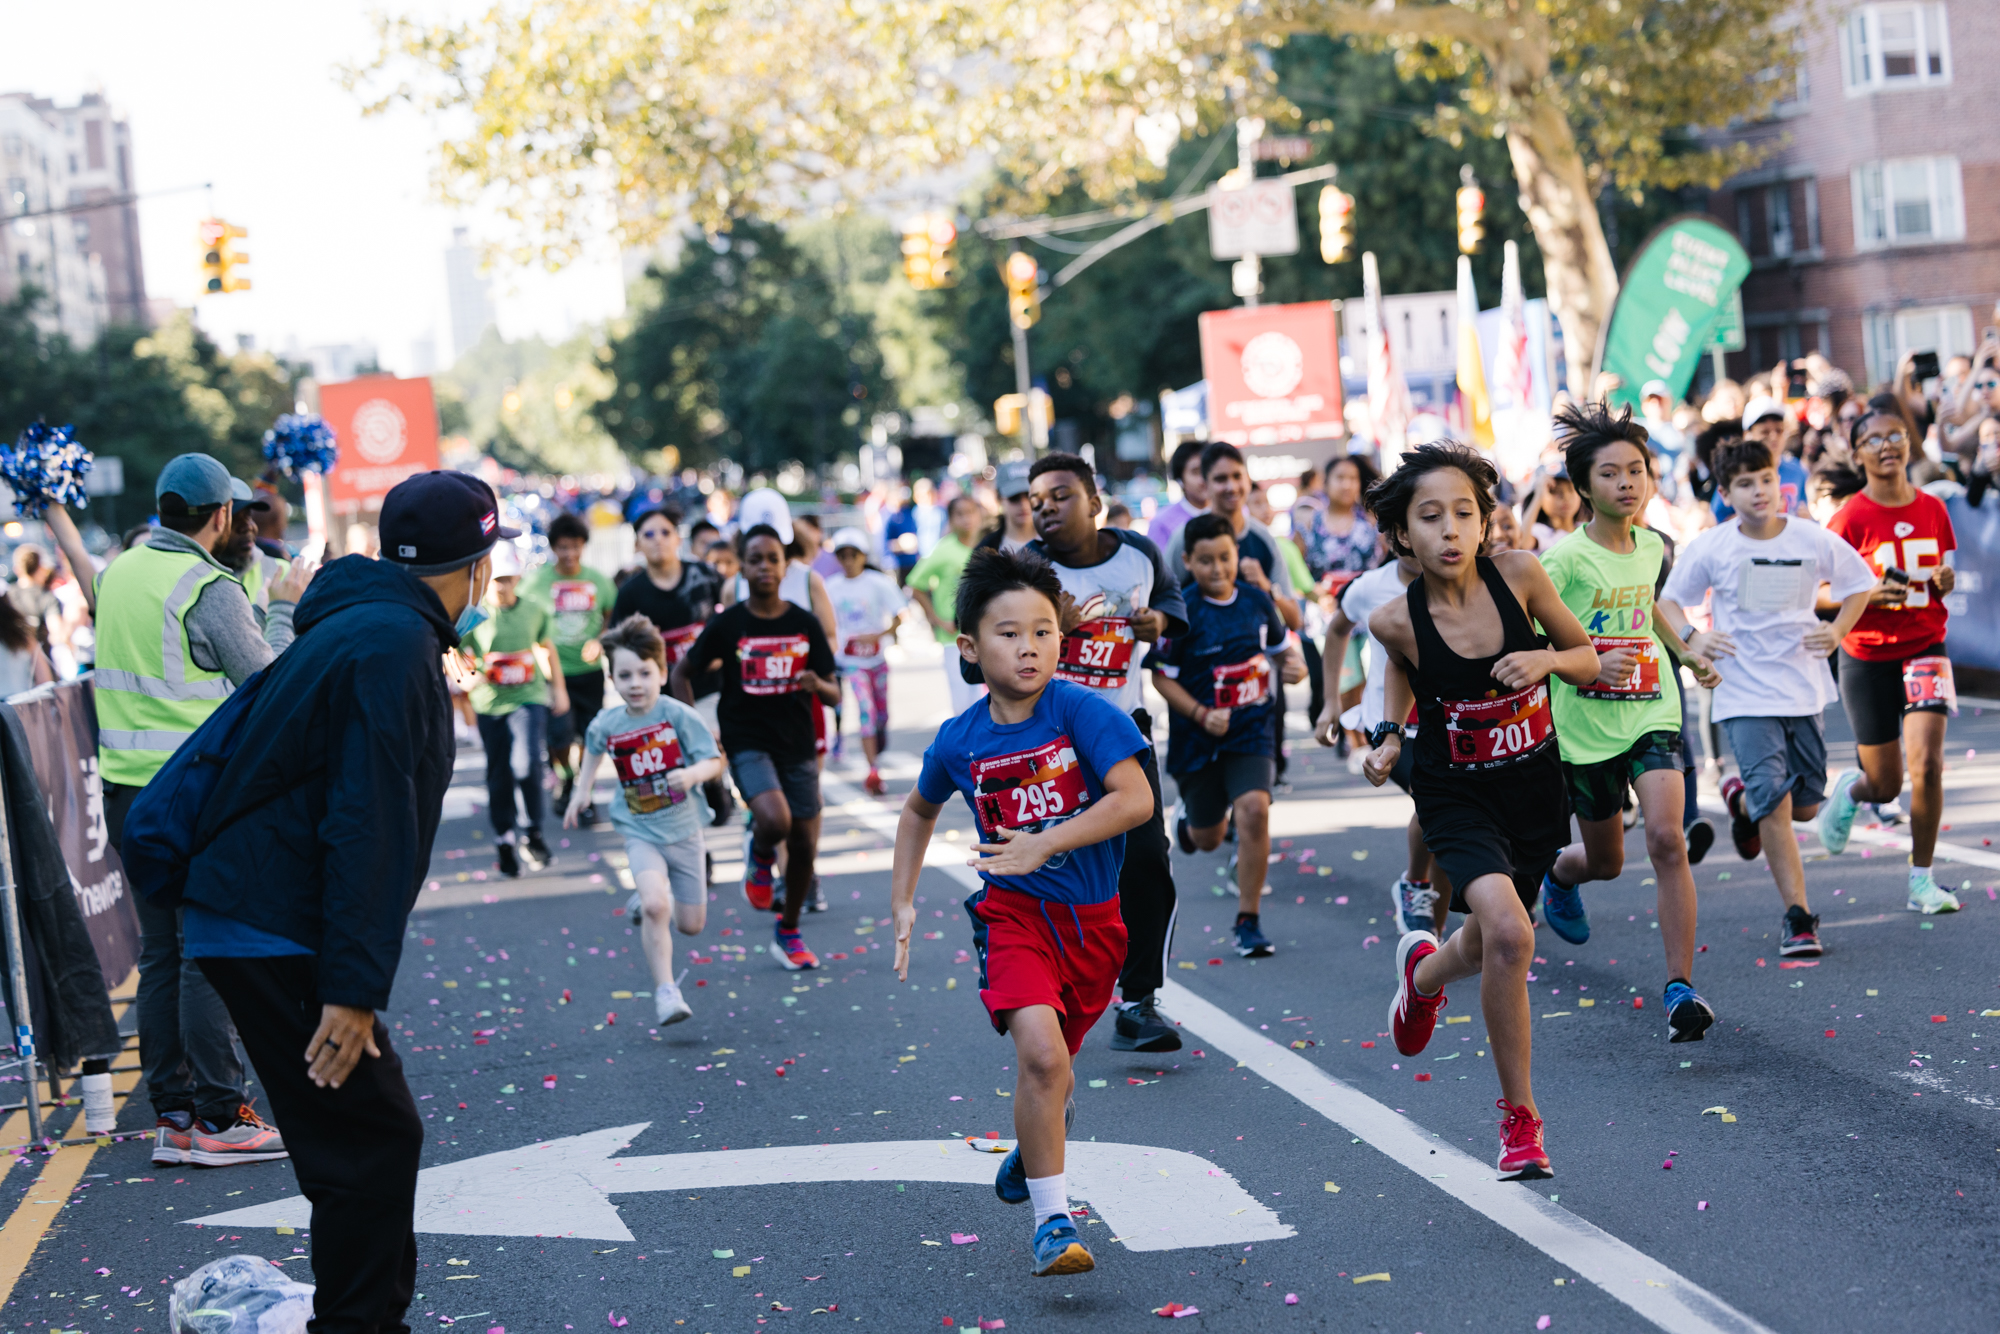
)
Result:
{"points": [[61, 723]]}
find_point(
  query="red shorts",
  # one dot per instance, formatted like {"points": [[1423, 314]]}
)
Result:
{"points": [[1033, 952]]}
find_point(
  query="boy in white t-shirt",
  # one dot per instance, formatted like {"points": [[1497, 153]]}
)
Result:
{"points": [[662, 751], [1763, 571], [866, 603]]}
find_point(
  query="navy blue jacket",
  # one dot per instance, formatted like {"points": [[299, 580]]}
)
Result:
{"points": [[320, 829]]}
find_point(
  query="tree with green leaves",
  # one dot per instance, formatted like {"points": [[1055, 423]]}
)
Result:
{"points": [[641, 115]]}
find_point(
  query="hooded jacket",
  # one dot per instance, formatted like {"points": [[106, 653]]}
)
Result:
{"points": [[321, 827]]}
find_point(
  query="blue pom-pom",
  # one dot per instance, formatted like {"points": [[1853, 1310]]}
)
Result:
{"points": [[45, 467], [300, 442]]}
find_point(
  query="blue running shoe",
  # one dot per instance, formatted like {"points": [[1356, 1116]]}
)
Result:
{"points": [[1563, 910], [1011, 1182], [1412, 901], [1837, 812], [1688, 1015], [1058, 1250], [1251, 942]]}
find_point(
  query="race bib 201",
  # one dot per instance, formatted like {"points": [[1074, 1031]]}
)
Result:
{"points": [[1494, 733]]}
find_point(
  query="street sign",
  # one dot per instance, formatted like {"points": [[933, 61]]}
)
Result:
{"points": [[1728, 335], [1255, 219], [1423, 330], [1273, 374], [1284, 148]]}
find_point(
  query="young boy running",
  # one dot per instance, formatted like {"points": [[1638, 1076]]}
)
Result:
{"points": [[662, 751], [1051, 771], [581, 598], [517, 689], [866, 603], [1622, 730], [1763, 571], [1217, 679], [777, 669], [1117, 601], [1488, 787], [1895, 675]]}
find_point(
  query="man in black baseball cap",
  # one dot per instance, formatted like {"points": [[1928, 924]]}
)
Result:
{"points": [[313, 850]]}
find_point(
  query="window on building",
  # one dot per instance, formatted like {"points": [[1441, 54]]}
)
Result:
{"points": [[1812, 213], [1745, 230], [1891, 335], [1894, 46], [1908, 201], [1778, 218]]}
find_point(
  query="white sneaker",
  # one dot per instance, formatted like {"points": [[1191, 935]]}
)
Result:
{"points": [[1926, 897], [668, 1006]]}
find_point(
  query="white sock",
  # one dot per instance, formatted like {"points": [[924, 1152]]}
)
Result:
{"points": [[1049, 1196], [511, 836]]}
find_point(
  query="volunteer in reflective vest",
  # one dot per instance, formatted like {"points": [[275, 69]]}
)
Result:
{"points": [[255, 568], [175, 633]]}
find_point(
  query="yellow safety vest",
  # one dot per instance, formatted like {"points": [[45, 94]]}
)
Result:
{"points": [[150, 693]]}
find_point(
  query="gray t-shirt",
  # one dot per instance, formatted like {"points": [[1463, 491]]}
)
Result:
{"points": [[644, 748]]}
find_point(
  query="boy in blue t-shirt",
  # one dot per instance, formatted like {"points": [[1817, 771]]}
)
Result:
{"points": [[661, 751], [1050, 772], [1218, 681]]}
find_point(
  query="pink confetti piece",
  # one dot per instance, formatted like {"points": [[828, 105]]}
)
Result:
{"points": [[615, 1320], [1291, 1299], [964, 1238], [1701, 1206], [1543, 1323]]}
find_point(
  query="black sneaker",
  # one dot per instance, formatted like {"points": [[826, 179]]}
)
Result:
{"points": [[816, 897], [1141, 1027], [1182, 838], [587, 817], [538, 852], [720, 800], [1801, 935], [1251, 942], [1742, 829], [1700, 838], [510, 860]]}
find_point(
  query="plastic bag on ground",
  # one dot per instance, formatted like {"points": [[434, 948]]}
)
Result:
{"points": [[240, 1294]]}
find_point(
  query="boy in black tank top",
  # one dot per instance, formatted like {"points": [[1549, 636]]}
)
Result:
{"points": [[1488, 783]]}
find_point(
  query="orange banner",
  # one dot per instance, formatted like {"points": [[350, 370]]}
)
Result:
{"points": [[386, 429]]}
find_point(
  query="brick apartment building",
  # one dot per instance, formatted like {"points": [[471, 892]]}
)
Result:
{"points": [[1874, 223], [85, 259]]}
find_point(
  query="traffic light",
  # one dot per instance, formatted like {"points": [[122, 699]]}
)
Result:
{"points": [[220, 258], [1024, 281], [1336, 224], [1471, 205], [928, 261]]}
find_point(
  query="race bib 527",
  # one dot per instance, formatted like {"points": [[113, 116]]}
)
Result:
{"points": [[1099, 654]]}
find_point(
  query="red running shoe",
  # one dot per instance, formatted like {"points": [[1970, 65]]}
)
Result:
{"points": [[1412, 1015], [873, 783], [1522, 1157], [1743, 830], [760, 877]]}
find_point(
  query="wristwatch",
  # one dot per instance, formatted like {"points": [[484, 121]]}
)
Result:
{"points": [[1381, 731], [1688, 632]]}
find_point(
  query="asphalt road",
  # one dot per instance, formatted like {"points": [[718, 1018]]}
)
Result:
{"points": [[1853, 1189]]}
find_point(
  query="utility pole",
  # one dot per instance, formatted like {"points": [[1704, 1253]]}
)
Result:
{"points": [[1246, 276]]}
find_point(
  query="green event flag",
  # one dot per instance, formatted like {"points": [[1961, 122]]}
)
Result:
{"points": [[1676, 290]]}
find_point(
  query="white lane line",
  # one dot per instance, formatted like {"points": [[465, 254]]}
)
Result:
{"points": [[1627, 1274], [1882, 838], [1632, 1277]]}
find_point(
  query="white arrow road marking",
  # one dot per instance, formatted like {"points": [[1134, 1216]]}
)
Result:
{"points": [[1641, 1282], [1152, 1199]]}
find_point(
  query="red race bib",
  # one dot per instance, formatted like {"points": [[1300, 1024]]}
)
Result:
{"points": [[1643, 684], [644, 759], [772, 663], [510, 669], [863, 646], [1494, 733], [1242, 684], [679, 640], [1022, 790], [1928, 681], [1099, 654], [573, 595]]}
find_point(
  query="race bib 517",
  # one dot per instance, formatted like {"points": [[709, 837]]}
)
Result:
{"points": [[772, 663]]}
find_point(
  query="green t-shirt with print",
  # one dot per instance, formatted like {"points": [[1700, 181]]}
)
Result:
{"points": [[1612, 596], [509, 675], [937, 575], [580, 602]]}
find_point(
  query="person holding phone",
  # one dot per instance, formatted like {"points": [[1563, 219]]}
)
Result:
{"points": [[1895, 676]]}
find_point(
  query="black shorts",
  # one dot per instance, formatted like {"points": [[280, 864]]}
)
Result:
{"points": [[1597, 789], [1209, 792], [586, 701], [1516, 827], [1872, 694]]}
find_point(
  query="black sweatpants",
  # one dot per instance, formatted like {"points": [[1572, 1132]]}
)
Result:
{"points": [[354, 1148], [1146, 888]]}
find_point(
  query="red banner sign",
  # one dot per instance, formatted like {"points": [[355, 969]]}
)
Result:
{"points": [[386, 429], [1273, 373]]}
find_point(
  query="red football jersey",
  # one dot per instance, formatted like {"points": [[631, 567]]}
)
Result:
{"points": [[1913, 539]]}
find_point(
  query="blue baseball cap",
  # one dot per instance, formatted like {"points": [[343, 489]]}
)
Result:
{"points": [[200, 481], [436, 522]]}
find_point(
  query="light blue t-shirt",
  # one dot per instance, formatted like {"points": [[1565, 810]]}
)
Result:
{"points": [[1034, 774], [644, 748]]}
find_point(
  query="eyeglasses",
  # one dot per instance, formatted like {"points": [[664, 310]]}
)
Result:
{"points": [[1988, 385], [1882, 441]]}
